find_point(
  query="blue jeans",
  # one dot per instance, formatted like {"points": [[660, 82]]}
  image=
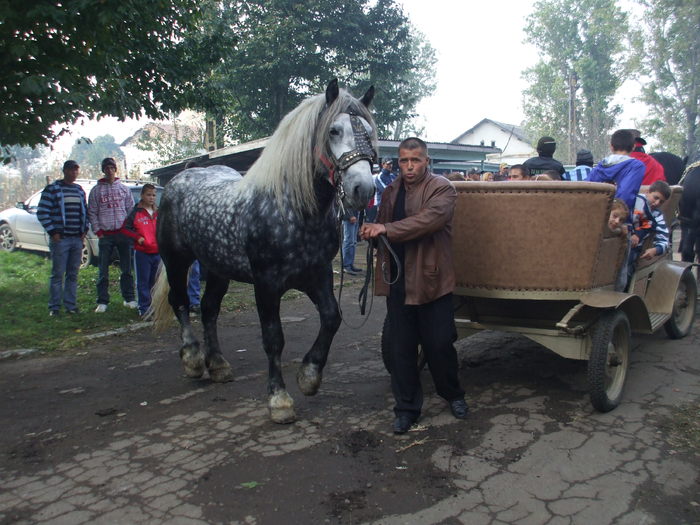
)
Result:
{"points": [[349, 243], [146, 265], [126, 281], [193, 285], [65, 260]]}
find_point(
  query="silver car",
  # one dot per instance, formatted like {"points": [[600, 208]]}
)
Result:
{"points": [[20, 227]]}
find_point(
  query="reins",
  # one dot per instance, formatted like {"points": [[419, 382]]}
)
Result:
{"points": [[369, 277]]}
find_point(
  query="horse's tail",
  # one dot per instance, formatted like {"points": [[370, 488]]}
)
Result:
{"points": [[160, 310]]}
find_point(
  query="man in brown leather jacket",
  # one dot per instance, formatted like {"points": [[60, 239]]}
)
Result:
{"points": [[416, 216]]}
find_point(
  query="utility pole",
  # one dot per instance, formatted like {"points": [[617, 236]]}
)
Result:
{"points": [[573, 86]]}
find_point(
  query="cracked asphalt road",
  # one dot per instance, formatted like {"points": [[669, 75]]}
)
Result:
{"points": [[114, 433]]}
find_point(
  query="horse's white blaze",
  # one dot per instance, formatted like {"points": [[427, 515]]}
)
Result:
{"points": [[358, 183]]}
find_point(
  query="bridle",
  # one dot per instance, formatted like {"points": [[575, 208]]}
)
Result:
{"points": [[363, 150]]}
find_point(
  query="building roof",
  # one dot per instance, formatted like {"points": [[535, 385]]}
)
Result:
{"points": [[517, 131], [242, 156]]}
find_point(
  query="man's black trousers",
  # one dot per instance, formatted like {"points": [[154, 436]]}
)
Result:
{"points": [[432, 325]]}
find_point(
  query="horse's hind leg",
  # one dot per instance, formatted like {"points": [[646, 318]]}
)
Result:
{"points": [[320, 291], [219, 368], [280, 403], [190, 354]]}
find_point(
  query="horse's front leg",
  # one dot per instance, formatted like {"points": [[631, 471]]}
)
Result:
{"points": [[219, 368], [280, 403], [320, 291]]}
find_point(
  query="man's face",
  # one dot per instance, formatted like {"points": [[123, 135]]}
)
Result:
{"points": [[70, 174], [412, 163], [516, 174], [387, 165]]}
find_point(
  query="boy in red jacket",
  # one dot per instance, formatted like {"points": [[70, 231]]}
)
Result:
{"points": [[140, 225]]}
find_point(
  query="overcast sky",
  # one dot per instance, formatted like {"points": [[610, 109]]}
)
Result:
{"points": [[481, 55]]}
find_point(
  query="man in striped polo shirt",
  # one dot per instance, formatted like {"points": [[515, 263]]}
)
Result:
{"points": [[62, 212]]}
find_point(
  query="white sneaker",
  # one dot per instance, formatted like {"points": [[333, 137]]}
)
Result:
{"points": [[131, 304], [101, 308]]}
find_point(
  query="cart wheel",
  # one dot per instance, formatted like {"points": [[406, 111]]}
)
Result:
{"points": [[609, 359], [386, 337], [681, 321]]}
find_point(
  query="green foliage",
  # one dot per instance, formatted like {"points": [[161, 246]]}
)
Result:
{"points": [[89, 155], [581, 43], [668, 52], [65, 60], [287, 50]]}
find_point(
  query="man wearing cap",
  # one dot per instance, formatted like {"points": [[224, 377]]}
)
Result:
{"points": [[62, 212], [654, 170], [385, 177], [109, 203], [546, 147], [584, 165]]}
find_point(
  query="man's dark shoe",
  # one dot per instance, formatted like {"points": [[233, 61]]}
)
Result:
{"points": [[350, 271], [403, 423], [195, 309], [73, 311], [53, 313], [459, 408], [358, 270]]}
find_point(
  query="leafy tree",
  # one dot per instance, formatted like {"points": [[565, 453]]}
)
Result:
{"points": [[65, 60], [286, 50], [89, 155], [571, 89], [668, 51]]}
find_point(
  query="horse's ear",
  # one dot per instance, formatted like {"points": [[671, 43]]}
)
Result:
{"points": [[332, 91], [367, 97]]}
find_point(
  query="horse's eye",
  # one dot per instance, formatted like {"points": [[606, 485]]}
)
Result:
{"points": [[335, 132]]}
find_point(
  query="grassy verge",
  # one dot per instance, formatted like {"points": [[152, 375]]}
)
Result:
{"points": [[24, 288]]}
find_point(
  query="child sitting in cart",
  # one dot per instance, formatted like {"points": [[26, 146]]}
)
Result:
{"points": [[647, 221], [618, 217]]}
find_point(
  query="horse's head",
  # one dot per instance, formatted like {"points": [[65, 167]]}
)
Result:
{"points": [[351, 142]]}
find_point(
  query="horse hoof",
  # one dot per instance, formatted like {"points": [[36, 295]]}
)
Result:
{"points": [[219, 370], [193, 361], [221, 375], [309, 379], [281, 407]]}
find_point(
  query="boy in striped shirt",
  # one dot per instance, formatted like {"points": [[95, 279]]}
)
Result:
{"points": [[647, 220]]}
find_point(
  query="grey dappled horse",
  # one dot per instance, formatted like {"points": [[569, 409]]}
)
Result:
{"points": [[275, 228]]}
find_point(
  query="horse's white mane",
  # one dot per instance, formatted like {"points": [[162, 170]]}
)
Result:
{"points": [[290, 159]]}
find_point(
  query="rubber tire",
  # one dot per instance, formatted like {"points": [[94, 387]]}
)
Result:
{"points": [[611, 332], [386, 336], [85, 255], [683, 316], [8, 244]]}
